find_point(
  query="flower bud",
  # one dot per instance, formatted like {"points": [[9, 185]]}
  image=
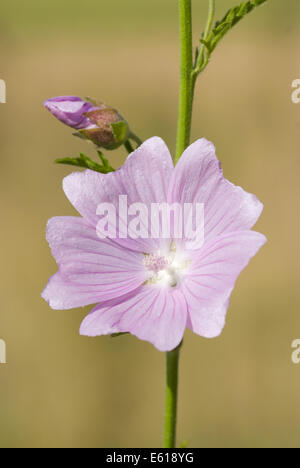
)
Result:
{"points": [[101, 124], [110, 131], [71, 111]]}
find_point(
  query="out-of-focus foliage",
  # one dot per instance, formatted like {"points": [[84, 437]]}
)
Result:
{"points": [[59, 389]]}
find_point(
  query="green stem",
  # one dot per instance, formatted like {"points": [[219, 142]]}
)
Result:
{"points": [[128, 147], [135, 138], [186, 79], [202, 61], [171, 398], [183, 140]]}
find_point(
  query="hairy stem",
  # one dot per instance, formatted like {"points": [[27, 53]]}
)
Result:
{"points": [[171, 398], [183, 140], [186, 84]]}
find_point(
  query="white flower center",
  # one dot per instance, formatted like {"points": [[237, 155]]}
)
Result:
{"points": [[166, 270]]}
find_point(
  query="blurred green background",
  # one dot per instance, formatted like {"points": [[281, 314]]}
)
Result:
{"points": [[62, 390]]}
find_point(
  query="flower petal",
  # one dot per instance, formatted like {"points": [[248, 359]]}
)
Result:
{"points": [[153, 314], [198, 178], [212, 276], [143, 178], [70, 110], [90, 269], [61, 294]]}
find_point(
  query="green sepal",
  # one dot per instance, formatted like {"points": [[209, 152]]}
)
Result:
{"points": [[116, 335], [94, 102], [79, 135], [120, 131]]}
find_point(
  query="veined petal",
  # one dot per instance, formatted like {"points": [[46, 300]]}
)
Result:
{"points": [[153, 314], [90, 269], [198, 178], [212, 276], [143, 179], [62, 294]]}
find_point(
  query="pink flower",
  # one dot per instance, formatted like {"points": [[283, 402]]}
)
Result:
{"points": [[140, 286]]}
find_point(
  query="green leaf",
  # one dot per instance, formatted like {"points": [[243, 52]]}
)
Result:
{"points": [[87, 163], [232, 17], [120, 131], [221, 28], [104, 160]]}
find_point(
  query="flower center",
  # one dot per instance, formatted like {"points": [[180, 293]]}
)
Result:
{"points": [[166, 269]]}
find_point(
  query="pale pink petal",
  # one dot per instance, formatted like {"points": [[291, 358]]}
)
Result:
{"points": [[90, 270], [212, 276], [144, 179], [206, 321], [198, 178], [153, 314], [61, 294]]}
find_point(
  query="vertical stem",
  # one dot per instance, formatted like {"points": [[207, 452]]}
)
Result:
{"points": [[186, 79], [183, 140], [171, 398]]}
